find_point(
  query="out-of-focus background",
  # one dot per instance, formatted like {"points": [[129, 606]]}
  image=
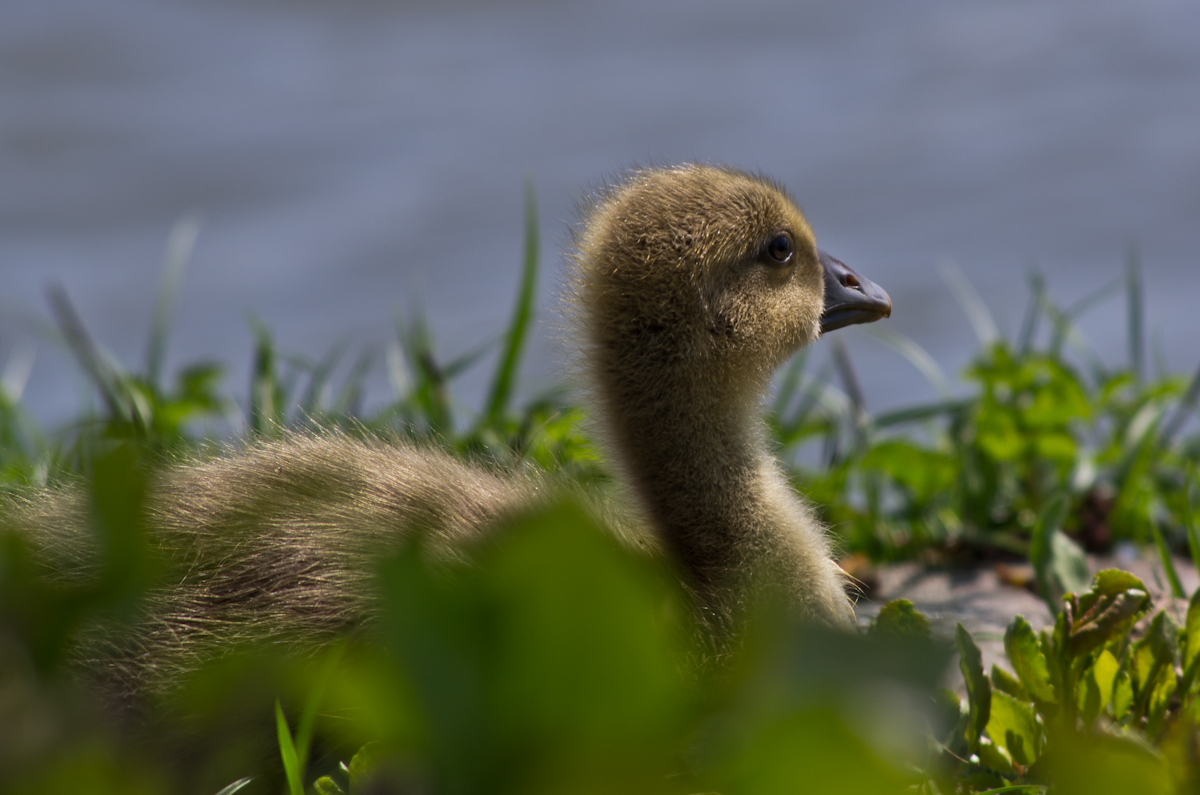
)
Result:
{"points": [[350, 158]]}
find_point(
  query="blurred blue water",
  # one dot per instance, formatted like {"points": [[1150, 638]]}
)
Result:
{"points": [[348, 156]]}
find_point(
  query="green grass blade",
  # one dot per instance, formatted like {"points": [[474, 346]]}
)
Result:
{"points": [[504, 379], [971, 302], [236, 786], [1033, 312], [1187, 404], [266, 393], [1137, 331], [1083, 350], [1190, 523], [1168, 565], [923, 412], [1095, 297], [21, 437], [1065, 332], [789, 382], [94, 363], [349, 399], [859, 419], [917, 356], [17, 370], [467, 360], [1061, 323], [319, 378], [287, 751], [850, 382], [397, 370], [429, 395], [798, 424], [1162, 370], [810, 397], [312, 706], [179, 251]]}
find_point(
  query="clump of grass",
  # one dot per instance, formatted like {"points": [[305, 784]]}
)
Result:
{"points": [[1044, 419], [288, 392], [561, 662]]}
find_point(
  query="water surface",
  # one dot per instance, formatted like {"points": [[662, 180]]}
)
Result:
{"points": [[346, 157]]}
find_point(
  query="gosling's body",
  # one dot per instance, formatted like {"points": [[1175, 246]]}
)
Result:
{"points": [[689, 286], [276, 542]]}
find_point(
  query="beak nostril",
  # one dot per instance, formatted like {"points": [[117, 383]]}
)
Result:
{"points": [[851, 281]]}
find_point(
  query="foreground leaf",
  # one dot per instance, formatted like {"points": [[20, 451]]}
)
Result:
{"points": [[1025, 654], [979, 687]]}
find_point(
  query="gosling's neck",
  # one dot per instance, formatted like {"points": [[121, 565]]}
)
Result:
{"points": [[695, 452]]}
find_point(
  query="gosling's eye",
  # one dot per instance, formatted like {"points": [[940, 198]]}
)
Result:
{"points": [[780, 248]]}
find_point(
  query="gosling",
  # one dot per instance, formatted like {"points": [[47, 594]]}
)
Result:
{"points": [[687, 287]]}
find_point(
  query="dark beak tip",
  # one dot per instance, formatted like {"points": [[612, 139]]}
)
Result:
{"points": [[850, 298]]}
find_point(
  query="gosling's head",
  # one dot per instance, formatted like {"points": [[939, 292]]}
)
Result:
{"points": [[707, 273]]}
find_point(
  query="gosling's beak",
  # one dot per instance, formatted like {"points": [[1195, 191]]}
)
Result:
{"points": [[849, 298]]}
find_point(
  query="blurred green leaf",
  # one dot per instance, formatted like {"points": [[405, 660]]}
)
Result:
{"points": [[1005, 682], [899, 619], [1059, 564], [1029, 661], [327, 786], [1012, 725], [1152, 673], [979, 687], [1107, 764], [1096, 689]]}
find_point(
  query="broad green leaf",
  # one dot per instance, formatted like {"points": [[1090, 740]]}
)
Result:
{"points": [[585, 654], [1109, 582], [924, 472], [1104, 674], [1163, 635], [979, 688], [327, 786], [1107, 764], [1141, 671], [1005, 682], [1013, 726], [1108, 619], [994, 756], [1160, 699], [805, 752], [1028, 661], [1058, 563], [364, 765], [1154, 659], [1096, 687], [1122, 697], [1056, 447], [900, 619], [952, 712]]}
